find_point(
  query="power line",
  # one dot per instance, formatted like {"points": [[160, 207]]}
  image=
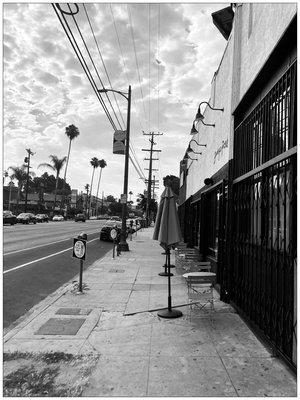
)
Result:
{"points": [[149, 49], [136, 60], [103, 63], [92, 61], [122, 55], [83, 63]]}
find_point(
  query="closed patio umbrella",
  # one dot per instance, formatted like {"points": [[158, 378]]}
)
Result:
{"points": [[167, 232]]}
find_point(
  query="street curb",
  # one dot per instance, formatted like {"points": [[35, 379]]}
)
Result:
{"points": [[37, 309]]}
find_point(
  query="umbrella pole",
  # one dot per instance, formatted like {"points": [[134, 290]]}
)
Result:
{"points": [[166, 273], [169, 313]]}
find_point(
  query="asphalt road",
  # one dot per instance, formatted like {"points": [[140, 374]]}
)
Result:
{"points": [[37, 260]]}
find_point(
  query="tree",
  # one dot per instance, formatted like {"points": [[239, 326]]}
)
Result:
{"points": [[115, 208], [173, 182], [56, 166], [20, 174], [110, 199], [95, 164], [102, 164], [72, 132], [142, 204]]}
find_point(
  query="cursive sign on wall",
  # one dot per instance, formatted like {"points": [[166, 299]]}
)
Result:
{"points": [[220, 149]]}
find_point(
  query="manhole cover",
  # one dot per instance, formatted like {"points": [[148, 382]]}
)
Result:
{"points": [[61, 326], [73, 311], [117, 270]]}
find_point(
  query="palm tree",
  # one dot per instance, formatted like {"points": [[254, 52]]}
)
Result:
{"points": [[72, 132], [102, 164], [20, 174], [95, 164], [56, 166]]}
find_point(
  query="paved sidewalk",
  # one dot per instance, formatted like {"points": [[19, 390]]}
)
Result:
{"points": [[141, 354]]}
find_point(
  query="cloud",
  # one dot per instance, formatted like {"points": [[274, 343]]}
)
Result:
{"points": [[46, 89]]}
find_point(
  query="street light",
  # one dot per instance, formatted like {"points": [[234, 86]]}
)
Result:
{"points": [[200, 117], [123, 245], [194, 159]]}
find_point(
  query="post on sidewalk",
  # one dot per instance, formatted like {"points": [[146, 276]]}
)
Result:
{"points": [[79, 251], [113, 234]]}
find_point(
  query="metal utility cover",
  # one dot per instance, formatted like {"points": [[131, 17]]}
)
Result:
{"points": [[117, 270], [61, 326], [73, 311]]}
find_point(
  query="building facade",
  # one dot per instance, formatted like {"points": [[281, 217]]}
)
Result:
{"points": [[243, 218]]}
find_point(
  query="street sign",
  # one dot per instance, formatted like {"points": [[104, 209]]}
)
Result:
{"points": [[79, 248], [113, 233], [123, 198], [119, 142]]}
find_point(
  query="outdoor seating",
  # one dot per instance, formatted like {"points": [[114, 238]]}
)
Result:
{"points": [[200, 291], [188, 259]]}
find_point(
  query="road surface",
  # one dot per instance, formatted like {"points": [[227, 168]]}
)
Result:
{"points": [[37, 260]]}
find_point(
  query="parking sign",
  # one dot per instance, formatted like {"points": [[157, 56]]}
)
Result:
{"points": [[79, 248]]}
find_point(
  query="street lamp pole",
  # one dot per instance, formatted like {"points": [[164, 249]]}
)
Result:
{"points": [[123, 245]]}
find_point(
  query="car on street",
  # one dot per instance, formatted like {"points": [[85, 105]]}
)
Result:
{"points": [[105, 230], [79, 217], [26, 218], [42, 218], [115, 218], [9, 218], [58, 218]]}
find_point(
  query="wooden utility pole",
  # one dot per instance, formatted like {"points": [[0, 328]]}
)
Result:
{"points": [[151, 159], [27, 161]]}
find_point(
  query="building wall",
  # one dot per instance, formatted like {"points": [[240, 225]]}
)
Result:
{"points": [[216, 154], [261, 25], [256, 30]]}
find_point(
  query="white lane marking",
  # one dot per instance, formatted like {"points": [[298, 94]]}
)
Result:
{"points": [[43, 258], [45, 244]]}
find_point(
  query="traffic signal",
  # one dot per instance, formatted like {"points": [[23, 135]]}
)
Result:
{"points": [[26, 160]]}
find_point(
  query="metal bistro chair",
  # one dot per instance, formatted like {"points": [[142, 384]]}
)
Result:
{"points": [[200, 291]]}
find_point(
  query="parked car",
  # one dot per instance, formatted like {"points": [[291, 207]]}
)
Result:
{"points": [[79, 217], [115, 218], [105, 230], [26, 218], [42, 218], [9, 218], [58, 218]]}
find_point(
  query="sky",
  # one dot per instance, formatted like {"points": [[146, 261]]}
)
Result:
{"points": [[168, 53]]}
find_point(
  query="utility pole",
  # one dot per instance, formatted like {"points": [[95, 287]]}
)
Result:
{"points": [[27, 161], [151, 159]]}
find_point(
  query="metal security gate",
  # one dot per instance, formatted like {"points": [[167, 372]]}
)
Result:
{"points": [[263, 229]]}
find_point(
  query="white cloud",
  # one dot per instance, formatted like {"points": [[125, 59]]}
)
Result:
{"points": [[46, 89]]}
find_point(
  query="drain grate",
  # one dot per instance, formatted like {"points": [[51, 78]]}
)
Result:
{"points": [[117, 270]]}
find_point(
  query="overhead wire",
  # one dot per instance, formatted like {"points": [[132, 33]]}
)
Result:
{"points": [[96, 70], [82, 61], [149, 50], [88, 73], [103, 63], [121, 52], [158, 79], [136, 59], [125, 70]]}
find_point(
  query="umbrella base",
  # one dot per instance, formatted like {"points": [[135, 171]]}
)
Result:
{"points": [[166, 266], [165, 274], [169, 314]]}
